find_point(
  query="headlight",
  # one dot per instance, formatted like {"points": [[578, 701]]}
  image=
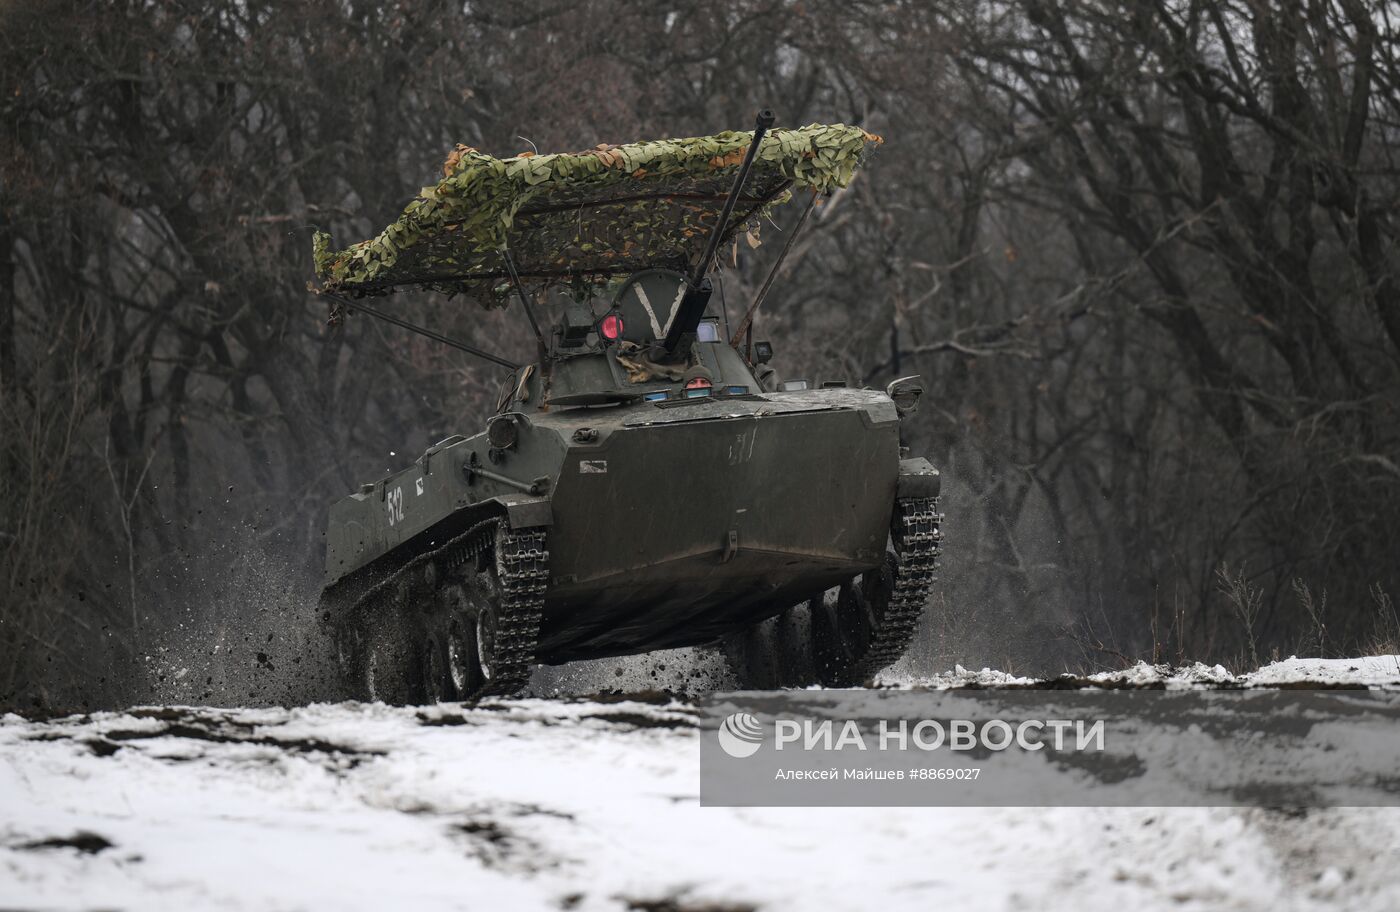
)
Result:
{"points": [[503, 431], [906, 392]]}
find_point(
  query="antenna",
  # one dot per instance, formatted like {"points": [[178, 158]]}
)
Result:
{"points": [[422, 331], [746, 323]]}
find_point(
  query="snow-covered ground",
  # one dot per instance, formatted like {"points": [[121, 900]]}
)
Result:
{"points": [[592, 804], [1367, 670]]}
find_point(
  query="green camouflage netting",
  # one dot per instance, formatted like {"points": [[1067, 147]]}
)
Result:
{"points": [[584, 216]]}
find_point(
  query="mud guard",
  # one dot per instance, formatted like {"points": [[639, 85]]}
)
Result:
{"points": [[918, 478], [524, 511]]}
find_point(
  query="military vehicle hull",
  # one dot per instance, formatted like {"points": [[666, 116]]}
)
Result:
{"points": [[667, 524], [733, 541]]}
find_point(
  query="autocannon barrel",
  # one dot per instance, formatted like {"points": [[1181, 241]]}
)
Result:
{"points": [[697, 293]]}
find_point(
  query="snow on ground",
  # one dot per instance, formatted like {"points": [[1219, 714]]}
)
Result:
{"points": [[1293, 671], [592, 804], [958, 677], [1371, 670]]}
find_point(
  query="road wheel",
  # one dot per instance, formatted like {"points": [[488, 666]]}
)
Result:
{"points": [[775, 652], [472, 628], [387, 661], [459, 646], [350, 658], [750, 656], [842, 626], [437, 684], [486, 629]]}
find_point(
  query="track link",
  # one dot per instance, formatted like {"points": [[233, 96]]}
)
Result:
{"points": [[916, 531], [522, 563]]}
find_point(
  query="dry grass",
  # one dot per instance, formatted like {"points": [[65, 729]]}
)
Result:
{"points": [[1246, 599], [1385, 637], [1316, 610]]}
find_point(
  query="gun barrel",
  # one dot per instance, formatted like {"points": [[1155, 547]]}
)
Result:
{"points": [[692, 306], [761, 125]]}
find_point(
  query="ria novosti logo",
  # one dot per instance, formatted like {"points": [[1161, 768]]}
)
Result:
{"points": [[741, 735]]}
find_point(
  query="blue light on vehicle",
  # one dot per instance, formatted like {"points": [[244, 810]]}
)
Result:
{"points": [[736, 390], [655, 397], [697, 392]]}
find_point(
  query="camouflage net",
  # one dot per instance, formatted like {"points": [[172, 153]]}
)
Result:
{"points": [[586, 216]]}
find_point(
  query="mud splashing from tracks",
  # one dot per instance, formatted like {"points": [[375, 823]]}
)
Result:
{"points": [[685, 672], [246, 635]]}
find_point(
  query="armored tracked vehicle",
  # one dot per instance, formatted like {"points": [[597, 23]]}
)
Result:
{"points": [[646, 483]]}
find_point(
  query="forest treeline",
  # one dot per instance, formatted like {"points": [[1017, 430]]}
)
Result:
{"points": [[1143, 253]]}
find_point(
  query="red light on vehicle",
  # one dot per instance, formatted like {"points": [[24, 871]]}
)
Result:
{"points": [[610, 327], [698, 383]]}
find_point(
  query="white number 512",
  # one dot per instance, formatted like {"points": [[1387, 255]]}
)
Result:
{"points": [[393, 502]]}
